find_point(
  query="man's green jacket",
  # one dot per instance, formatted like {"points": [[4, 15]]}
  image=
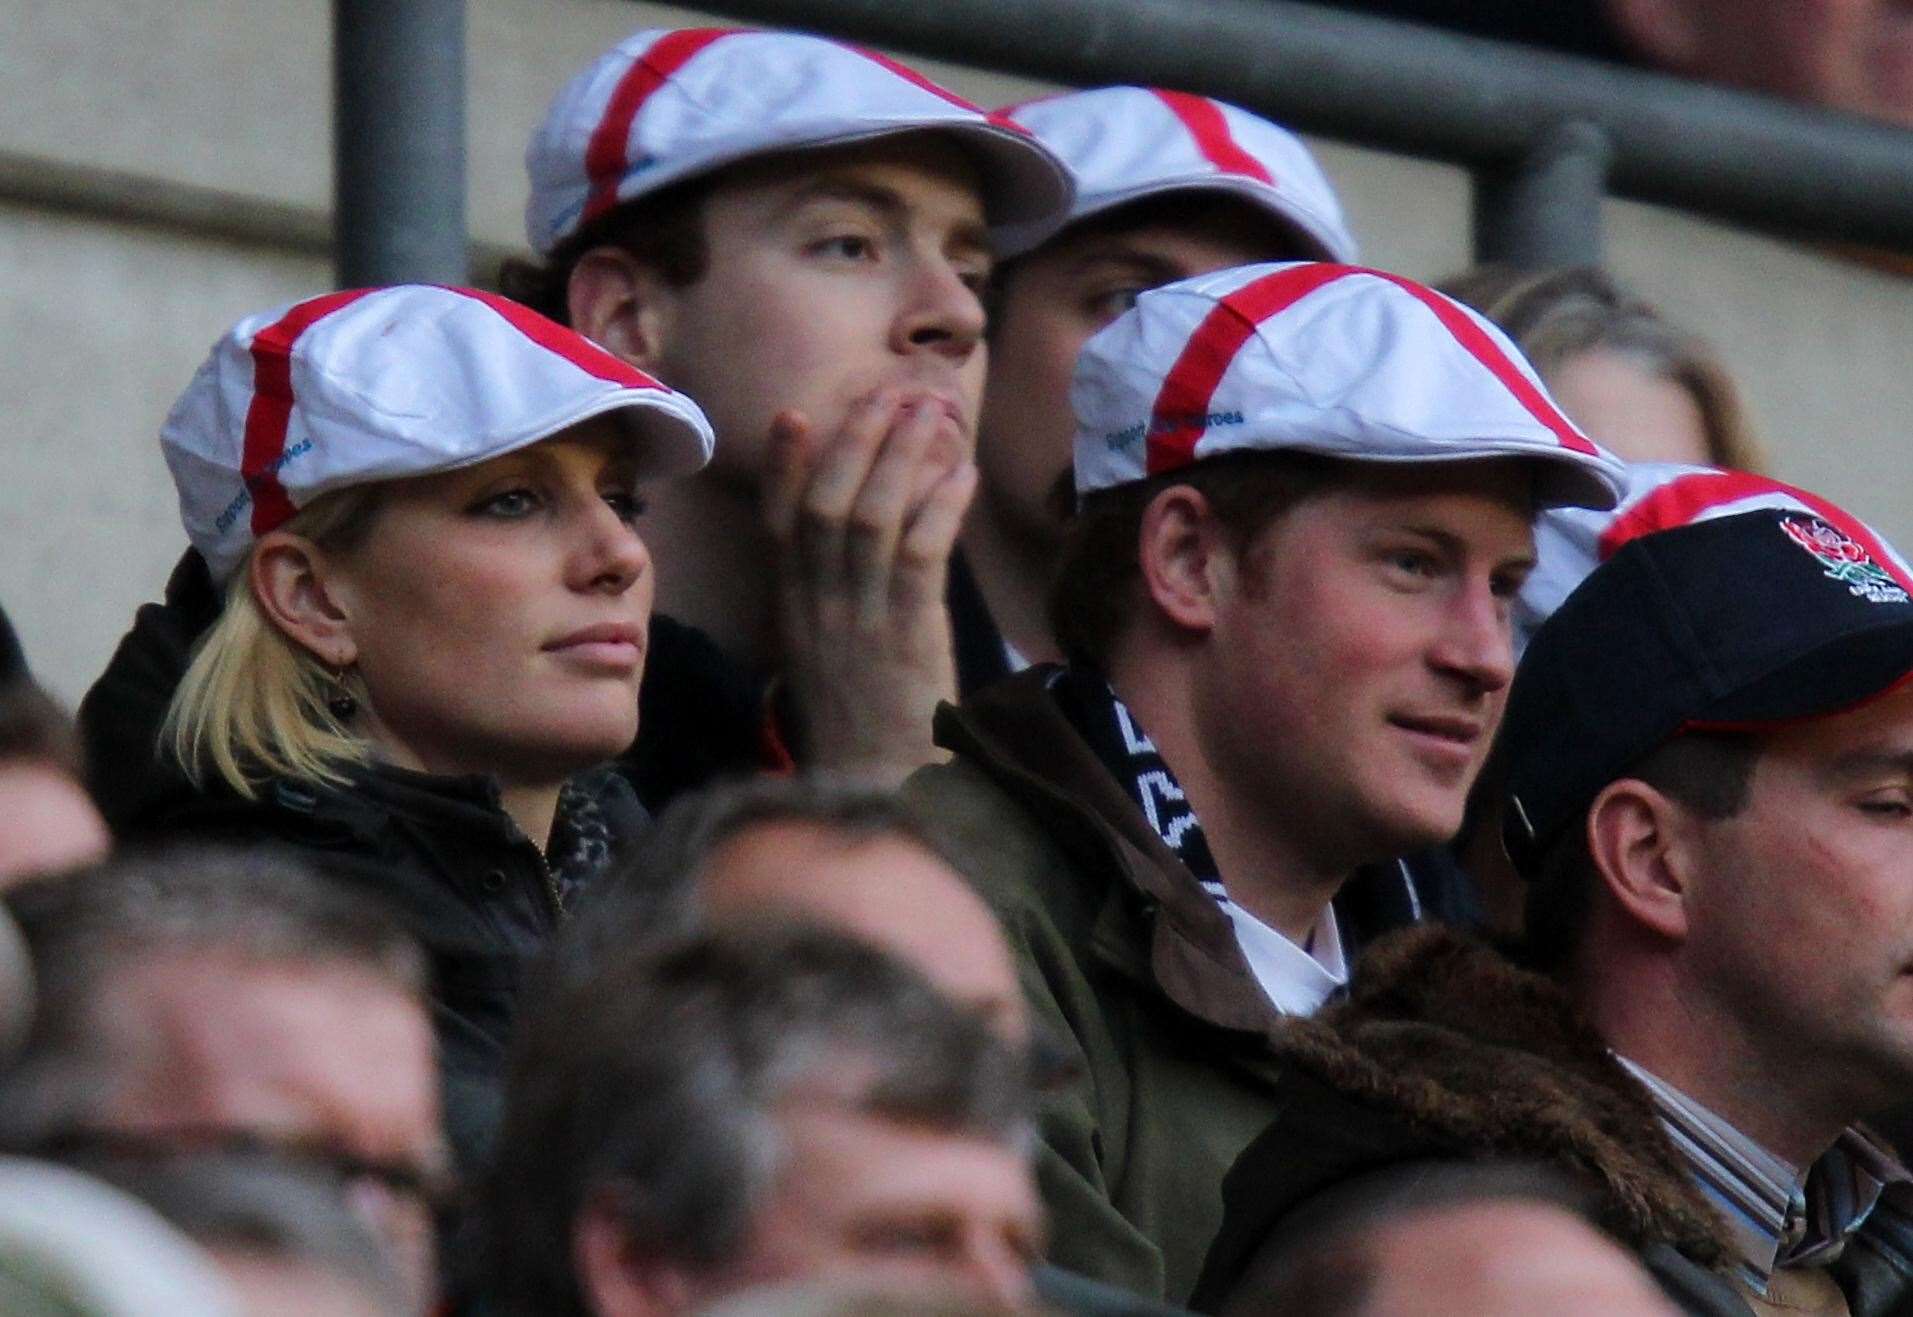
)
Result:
{"points": [[1132, 968]]}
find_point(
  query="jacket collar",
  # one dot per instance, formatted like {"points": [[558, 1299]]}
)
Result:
{"points": [[1155, 924], [377, 799], [371, 810], [1476, 1053]]}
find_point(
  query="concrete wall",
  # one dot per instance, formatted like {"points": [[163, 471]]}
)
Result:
{"points": [[165, 169]]}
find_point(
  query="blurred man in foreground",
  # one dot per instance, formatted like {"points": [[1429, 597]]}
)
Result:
{"points": [[751, 1105], [831, 854], [205, 1001]]}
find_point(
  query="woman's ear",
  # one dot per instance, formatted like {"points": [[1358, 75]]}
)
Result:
{"points": [[622, 304], [1180, 552], [299, 590]]}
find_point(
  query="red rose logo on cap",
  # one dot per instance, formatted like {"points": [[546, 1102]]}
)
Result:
{"points": [[1844, 560]]}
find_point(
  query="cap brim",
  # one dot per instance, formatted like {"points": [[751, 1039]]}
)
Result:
{"points": [[667, 432], [1566, 483], [1562, 478], [1844, 673], [1317, 236], [669, 435], [1024, 185]]}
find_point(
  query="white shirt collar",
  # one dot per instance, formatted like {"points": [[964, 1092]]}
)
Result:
{"points": [[1296, 981]]}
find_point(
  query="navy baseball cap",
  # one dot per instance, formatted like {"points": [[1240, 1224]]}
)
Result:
{"points": [[1739, 623]]}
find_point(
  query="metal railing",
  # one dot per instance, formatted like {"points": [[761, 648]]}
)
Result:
{"points": [[1546, 135], [398, 134]]}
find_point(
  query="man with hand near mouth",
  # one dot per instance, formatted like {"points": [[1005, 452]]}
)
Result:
{"points": [[1306, 494], [796, 233]]}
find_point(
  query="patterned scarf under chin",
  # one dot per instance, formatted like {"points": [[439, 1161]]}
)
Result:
{"points": [[580, 846], [1127, 752]]}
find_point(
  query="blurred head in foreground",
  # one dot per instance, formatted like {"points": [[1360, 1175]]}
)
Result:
{"points": [[843, 856], [756, 1104], [319, 1049], [1488, 1240]]}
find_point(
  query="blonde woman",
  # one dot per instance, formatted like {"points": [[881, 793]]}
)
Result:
{"points": [[1640, 385], [419, 506]]}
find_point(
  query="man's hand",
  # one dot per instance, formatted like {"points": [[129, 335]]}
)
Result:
{"points": [[864, 526]]}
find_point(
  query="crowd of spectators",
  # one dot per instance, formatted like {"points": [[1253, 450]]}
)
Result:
{"points": [[1170, 770]]}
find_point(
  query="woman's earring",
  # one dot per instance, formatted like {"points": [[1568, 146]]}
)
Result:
{"points": [[341, 702]]}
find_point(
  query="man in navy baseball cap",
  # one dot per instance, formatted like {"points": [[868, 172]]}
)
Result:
{"points": [[1743, 625], [1709, 759]]}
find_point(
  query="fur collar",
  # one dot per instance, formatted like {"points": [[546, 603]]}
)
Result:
{"points": [[1477, 1053]]}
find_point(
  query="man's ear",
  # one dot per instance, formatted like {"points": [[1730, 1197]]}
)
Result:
{"points": [[294, 586], [1643, 846], [616, 1279], [622, 304], [1663, 30], [1180, 551]]}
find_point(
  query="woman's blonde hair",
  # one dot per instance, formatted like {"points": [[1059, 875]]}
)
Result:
{"points": [[254, 704], [1555, 315]]}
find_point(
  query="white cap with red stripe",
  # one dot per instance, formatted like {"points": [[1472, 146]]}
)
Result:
{"points": [[1569, 543], [381, 383], [1123, 144], [666, 105], [1331, 359]]}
